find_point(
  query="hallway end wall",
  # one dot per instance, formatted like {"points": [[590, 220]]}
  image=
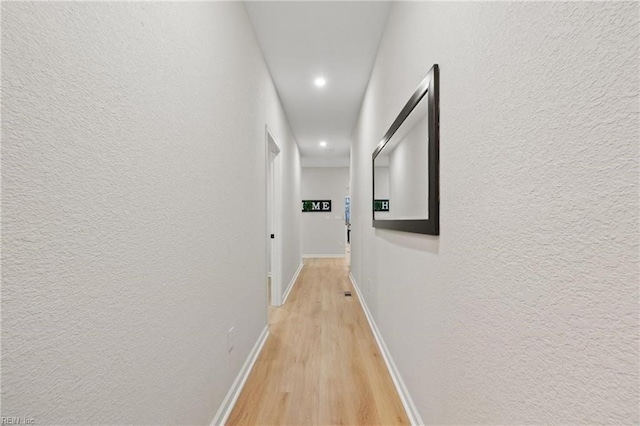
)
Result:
{"points": [[525, 308], [324, 234], [133, 195]]}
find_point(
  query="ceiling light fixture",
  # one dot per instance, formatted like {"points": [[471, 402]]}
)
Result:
{"points": [[320, 82], [323, 143]]}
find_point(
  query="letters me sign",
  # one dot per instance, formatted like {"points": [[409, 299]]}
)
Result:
{"points": [[381, 205], [316, 205]]}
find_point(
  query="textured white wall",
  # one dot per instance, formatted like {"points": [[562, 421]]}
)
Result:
{"points": [[133, 222], [324, 233], [525, 309]]}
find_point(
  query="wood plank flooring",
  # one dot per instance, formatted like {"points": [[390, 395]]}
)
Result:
{"points": [[320, 364]]}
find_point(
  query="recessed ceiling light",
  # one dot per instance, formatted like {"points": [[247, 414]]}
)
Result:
{"points": [[323, 143], [320, 82]]}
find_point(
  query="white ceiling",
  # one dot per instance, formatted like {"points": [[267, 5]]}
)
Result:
{"points": [[302, 40]]}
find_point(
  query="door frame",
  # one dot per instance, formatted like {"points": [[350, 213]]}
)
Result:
{"points": [[273, 175]]}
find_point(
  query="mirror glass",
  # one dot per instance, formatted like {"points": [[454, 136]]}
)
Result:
{"points": [[401, 172]]}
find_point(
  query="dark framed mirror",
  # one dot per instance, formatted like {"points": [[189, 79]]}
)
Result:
{"points": [[406, 165]]}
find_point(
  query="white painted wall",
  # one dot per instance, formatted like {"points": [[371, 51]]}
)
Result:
{"points": [[133, 167], [408, 176], [324, 233], [382, 186], [290, 188], [525, 309], [382, 182]]}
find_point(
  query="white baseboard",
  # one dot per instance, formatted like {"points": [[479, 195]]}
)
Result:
{"points": [[222, 415], [322, 256], [403, 392], [291, 284]]}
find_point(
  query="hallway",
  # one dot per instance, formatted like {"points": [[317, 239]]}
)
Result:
{"points": [[160, 160], [320, 364]]}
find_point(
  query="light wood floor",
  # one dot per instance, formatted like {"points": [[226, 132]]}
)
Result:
{"points": [[320, 364]]}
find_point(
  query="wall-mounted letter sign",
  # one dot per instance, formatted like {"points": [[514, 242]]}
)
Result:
{"points": [[316, 205], [381, 205]]}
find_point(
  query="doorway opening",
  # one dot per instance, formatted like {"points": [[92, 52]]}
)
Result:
{"points": [[347, 225], [274, 220]]}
